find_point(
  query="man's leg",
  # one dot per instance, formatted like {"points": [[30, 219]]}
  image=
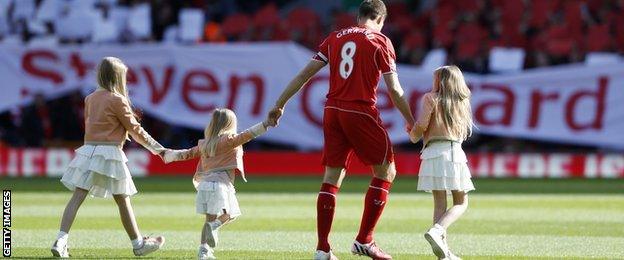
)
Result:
{"points": [[375, 200], [325, 205]]}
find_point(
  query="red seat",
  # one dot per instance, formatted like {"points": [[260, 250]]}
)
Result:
{"points": [[414, 40], [444, 13], [303, 18], [397, 8], [403, 24], [267, 16], [235, 25], [470, 37], [559, 47], [344, 20], [573, 19], [467, 50], [469, 6], [540, 12], [598, 38], [442, 36], [513, 10]]}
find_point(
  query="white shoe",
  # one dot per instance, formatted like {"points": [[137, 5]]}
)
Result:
{"points": [[453, 256], [60, 249], [212, 236], [435, 237], [371, 250], [150, 245], [205, 253], [322, 255]]}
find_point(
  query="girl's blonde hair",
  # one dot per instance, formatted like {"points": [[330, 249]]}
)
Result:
{"points": [[223, 122], [111, 75], [454, 99]]}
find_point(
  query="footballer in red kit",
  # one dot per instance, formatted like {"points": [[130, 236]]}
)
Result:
{"points": [[357, 57]]}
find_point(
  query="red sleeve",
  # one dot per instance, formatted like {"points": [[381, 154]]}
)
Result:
{"points": [[323, 51], [385, 58]]}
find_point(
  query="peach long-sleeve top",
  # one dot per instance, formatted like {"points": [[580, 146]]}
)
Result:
{"points": [[109, 120], [227, 154], [430, 125]]}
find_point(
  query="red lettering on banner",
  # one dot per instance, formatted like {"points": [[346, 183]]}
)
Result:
{"points": [[506, 105], [598, 96], [612, 166], [558, 165], [306, 107], [131, 77], [81, 67], [256, 82], [207, 86], [28, 64], [537, 98], [159, 92], [33, 162]]}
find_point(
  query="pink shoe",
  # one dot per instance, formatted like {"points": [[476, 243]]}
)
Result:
{"points": [[371, 250]]}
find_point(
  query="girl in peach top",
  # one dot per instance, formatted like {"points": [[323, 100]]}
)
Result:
{"points": [[99, 167], [444, 122], [220, 158]]}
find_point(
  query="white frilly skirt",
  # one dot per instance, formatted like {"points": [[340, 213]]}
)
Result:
{"points": [[444, 166], [216, 195], [100, 169]]}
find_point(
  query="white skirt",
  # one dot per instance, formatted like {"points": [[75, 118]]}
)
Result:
{"points": [[444, 167], [100, 169], [217, 198]]}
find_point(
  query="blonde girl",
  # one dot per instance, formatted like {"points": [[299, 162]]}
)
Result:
{"points": [[221, 158], [99, 166], [444, 122]]}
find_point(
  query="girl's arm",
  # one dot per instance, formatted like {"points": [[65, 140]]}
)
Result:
{"points": [[181, 155], [247, 135], [420, 126], [123, 111]]}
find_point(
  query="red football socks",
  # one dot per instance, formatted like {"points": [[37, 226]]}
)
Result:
{"points": [[325, 207], [374, 204]]}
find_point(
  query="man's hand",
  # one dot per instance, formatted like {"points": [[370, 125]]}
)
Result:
{"points": [[274, 116]]}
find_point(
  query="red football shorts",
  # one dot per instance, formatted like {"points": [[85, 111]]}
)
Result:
{"points": [[350, 128]]}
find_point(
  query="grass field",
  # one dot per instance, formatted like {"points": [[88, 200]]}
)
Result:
{"points": [[519, 219]]}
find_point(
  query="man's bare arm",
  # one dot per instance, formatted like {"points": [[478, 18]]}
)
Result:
{"points": [[293, 87], [298, 81], [398, 98]]}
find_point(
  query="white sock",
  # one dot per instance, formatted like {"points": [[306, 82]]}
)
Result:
{"points": [[215, 224], [440, 227], [205, 245], [62, 236], [137, 243]]}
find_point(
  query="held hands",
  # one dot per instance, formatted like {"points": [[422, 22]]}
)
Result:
{"points": [[274, 116], [166, 155]]}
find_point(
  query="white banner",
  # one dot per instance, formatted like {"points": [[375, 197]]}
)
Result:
{"points": [[182, 84]]}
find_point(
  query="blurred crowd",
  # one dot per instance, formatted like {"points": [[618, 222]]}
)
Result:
{"points": [[548, 32]]}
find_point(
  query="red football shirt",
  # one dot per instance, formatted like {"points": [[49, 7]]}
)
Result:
{"points": [[357, 57]]}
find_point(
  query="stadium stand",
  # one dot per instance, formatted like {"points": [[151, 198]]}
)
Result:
{"points": [[530, 33]]}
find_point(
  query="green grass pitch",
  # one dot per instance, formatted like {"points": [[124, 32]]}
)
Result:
{"points": [[506, 219]]}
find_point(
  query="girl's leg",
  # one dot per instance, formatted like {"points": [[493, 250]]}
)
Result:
{"points": [[127, 216], [207, 228], [460, 204], [439, 204], [72, 208]]}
